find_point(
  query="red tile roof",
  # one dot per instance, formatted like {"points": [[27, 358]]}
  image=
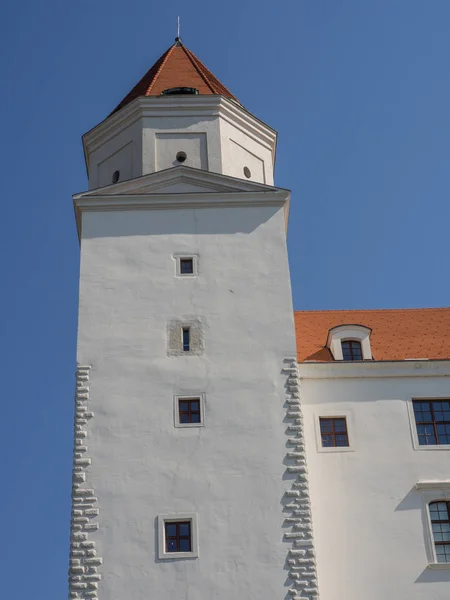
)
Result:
{"points": [[177, 67], [396, 334]]}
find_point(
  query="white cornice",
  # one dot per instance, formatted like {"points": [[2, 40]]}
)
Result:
{"points": [[374, 369], [127, 202], [201, 106], [433, 484]]}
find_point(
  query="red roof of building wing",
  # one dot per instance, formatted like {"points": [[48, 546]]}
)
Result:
{"points": [[177, 67], [397, 334]]}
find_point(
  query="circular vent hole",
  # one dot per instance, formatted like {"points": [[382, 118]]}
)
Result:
{"points": [[181, 156], [247, 172], [115, 177]]}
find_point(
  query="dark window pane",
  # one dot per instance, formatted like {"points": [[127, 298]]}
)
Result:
{"points": [[171, 530], [195, 418], [184, 418], [171, 545], [186, 266], [184, 406], [327, 441], [185, 528], [194, 406], [186, 339], [341, 440], [185, 545], [326, 425], [339, 425]]}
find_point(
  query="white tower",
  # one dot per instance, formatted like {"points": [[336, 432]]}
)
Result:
{"points": [[185, 324]]}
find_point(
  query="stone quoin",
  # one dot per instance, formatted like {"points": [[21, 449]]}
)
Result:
{"points": [[225, 445]]}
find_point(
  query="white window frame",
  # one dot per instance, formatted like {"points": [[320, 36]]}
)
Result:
{"points": [[413, 428], [432, 491], [344, 333], [337, 414], [178, 257], [173, 518], [176, 413]]}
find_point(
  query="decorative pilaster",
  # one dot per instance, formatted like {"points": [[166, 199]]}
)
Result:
{"points": [[301, 561], [84, 563]]}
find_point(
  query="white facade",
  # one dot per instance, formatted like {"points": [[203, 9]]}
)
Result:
{"points": [[139, 467], [371, 526], [272, 513]]}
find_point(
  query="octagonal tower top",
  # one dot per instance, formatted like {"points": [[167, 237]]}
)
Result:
{"points": [[179, 113]]}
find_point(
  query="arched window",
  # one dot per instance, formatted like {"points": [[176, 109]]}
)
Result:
{"points": [[351, 350], [440, 524]]}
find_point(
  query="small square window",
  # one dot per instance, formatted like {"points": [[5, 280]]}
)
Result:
{"points": [[177, 536], [186, 266], [189, 411], [333, 432]]}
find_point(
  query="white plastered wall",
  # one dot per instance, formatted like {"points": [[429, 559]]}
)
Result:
{"points": [[230, 472], [369, 530]]}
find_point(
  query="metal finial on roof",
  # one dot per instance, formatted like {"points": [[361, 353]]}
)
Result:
{"points": [[178, 39]]}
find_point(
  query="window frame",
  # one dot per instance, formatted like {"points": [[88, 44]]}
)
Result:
{"points": [[447, 521], [333, 432], [432, 491], [350, 342], [413, 428], [336, 414], [178, 258], [192, 518], [176, 413]]}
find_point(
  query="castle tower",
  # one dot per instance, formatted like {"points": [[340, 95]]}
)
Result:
{"points": [[185, 325]]}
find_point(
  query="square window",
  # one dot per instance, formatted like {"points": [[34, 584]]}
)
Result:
{"points": [[177, 536], [186, 266], [333, 432], [189, 411]]}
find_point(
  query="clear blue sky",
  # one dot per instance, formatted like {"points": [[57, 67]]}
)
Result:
{"points": [[359, 93]]}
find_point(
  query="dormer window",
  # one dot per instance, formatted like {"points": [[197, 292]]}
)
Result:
{"points": [[350, 343], [351, 350]]}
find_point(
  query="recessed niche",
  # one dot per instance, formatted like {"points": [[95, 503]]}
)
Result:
{"points": [[116, 176], [247, 172], [181, 156]]}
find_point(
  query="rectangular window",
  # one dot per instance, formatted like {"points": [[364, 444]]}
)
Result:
{"points": [[440, 523], [432, 421], [186, 266], [178, 536], [186, 333], [189, 410], [333, 432]]}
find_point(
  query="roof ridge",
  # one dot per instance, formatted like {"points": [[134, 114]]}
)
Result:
{"points": [[163, 62]]}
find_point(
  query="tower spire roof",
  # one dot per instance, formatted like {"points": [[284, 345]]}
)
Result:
{"points": [[178, 67]]}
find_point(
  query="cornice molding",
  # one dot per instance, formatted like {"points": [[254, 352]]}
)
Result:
{"points": [[433, 485], [374, 369], [197, 200], [207, 105]]}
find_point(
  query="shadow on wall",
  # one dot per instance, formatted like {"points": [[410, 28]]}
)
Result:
{"points": [[205, 221], [414, 501]]}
